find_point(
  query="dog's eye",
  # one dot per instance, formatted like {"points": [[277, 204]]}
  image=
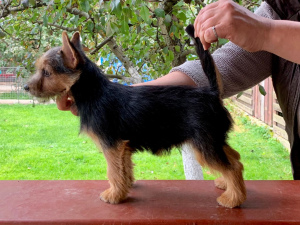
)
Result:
{"points": [[45, 73]]}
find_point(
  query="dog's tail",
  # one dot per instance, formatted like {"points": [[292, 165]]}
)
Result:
{"points": [[207, 62]]}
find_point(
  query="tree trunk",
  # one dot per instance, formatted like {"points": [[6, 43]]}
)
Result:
{"points": [[118, 51]]}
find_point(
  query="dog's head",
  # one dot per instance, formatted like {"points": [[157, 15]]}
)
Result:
{"points": [[57, 69]]}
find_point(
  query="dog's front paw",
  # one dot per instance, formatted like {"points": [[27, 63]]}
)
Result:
{"points": [[111, 196]]}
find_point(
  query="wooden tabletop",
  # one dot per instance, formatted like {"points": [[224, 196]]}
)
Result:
{"points": [[149, 202]]}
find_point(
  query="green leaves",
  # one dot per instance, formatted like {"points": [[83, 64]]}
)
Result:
{"points": [[168, 19], [32, 2], [124, 25], [90, 26], [138, 26], [159, 12], [116, 7], [240, 94], [45, 20], [145, 14], [177, 48], [262, 90], [170, 56], [85, 5], [2, 34]]}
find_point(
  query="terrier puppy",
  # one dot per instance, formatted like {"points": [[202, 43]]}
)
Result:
{"points": [[124, 119]]}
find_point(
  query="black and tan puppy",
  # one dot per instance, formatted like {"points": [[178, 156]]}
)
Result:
{"points": [[123, 119]]}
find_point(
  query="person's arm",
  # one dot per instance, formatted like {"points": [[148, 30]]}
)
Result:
{"points": [[250, 31], [284, 40], [172, 78]]}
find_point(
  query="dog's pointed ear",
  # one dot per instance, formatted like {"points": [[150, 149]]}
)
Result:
{"points": [[76, 40], [68, 52]]}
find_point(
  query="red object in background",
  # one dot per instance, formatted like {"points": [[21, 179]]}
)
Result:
{"points": [[7, 75]]}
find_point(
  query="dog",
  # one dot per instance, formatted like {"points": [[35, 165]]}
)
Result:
{"points": [[122, 120]]}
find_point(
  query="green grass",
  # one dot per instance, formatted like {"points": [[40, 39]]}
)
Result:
{"points": [[15, 95], [43, 143]]}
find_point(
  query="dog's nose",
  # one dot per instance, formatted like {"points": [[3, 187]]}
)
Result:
{"points": [[26, 87]]}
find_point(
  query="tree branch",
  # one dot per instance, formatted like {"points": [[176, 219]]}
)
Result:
{"points": [[59, 27], [7, 10], [75, 11], [98, 47], [118, 51], [168, 5], [113, 76]]}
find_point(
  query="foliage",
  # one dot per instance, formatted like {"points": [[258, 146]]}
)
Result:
{"points": [[145, 32], [140, 33]]}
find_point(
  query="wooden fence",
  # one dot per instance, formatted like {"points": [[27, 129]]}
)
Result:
{"points": [[264, 108]]}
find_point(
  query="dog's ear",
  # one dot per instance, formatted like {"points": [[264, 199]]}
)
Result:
{"points": [[76, 40], [69, 53]]}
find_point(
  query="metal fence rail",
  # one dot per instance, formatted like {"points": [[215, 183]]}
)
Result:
{"points": [[11, 84]]}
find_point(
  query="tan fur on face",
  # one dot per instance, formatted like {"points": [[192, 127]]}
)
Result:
{"points": [[49, 86], [232, 178]]}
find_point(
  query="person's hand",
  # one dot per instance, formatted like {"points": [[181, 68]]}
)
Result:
{"points": [[232, 22], [66, 103]]}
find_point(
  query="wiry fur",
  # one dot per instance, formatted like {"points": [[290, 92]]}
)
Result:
{"points": [[124, 119]]}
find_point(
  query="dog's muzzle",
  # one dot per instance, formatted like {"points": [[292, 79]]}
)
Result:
{"points": [[26, 87]]}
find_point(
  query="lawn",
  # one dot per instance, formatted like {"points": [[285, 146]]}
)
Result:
{"points": [[44, 143]]}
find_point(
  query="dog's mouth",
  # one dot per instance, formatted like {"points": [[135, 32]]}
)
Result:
{"points": [[45, 97]]}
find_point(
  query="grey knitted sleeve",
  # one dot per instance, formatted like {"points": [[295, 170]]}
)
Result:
{"points": [[240, 69]]}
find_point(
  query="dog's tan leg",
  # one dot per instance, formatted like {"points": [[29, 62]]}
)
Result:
{"points": [[231, 153], [235, 193], [119, 172], [232, 178]]}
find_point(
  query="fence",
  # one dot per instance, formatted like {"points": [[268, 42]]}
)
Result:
{"points": [[264, 108], [11, 85]]}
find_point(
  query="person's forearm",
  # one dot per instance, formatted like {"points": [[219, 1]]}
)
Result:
{"points": [[173, 78], [284, 40]]}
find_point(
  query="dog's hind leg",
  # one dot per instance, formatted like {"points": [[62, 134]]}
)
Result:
{"points": [[235, 193], [221, 183], [119, 172], [232, 177]]}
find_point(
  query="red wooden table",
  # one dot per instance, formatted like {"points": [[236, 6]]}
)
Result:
{"points": [[149, 202]]}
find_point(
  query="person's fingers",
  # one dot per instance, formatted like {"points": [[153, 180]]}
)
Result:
{"points": [[207, 36], [212, 33], [204, 13], [63, 102], [208, 7], [74, 110]]}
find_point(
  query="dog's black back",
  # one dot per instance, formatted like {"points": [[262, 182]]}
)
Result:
{"points": [[153, 118]]}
